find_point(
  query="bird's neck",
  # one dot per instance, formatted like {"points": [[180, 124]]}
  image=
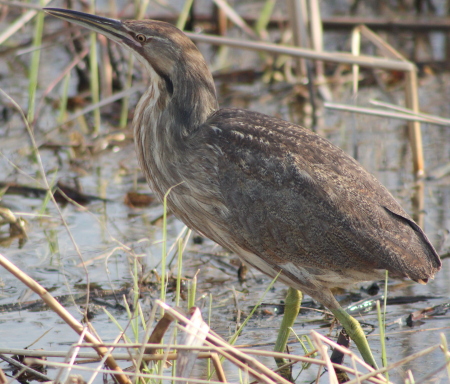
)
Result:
{"points": [[166, 116], [177, 105]]}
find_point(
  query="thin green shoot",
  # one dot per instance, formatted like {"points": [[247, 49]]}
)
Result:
{"points": [[127, 339], [185, 234], [117, 324], [261, 30], [381, 325], [164, 253], [93, 66], [178, 293], [35, 60], [386, 281], [247, 319], [135, 317], [127, 307], [141, 9], [48, 195], [192, 291], [150, 367], [3, 191], [243, 376], [179, 272], [83, 125], [51, 235], [244, 323], [208, 367], [444, 347], [181, 22], [142, 317], [264, 16], [384, 352], [307, 346]]}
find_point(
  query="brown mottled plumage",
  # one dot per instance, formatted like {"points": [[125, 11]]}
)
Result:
{"points": [[280, 196]]}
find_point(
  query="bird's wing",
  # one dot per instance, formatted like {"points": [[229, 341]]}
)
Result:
{"points": [[291, 196]]}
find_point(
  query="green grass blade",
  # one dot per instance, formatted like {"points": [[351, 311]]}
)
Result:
{"points": [[244, 323], [192, 293], [93, 66], [181, 22], [446, 353], [179, 272], [381, 324], [126, 100], [35, 60], [164, 253], [264, 16]]}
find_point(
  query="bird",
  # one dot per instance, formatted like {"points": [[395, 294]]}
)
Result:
{"points": [[284, 199]]}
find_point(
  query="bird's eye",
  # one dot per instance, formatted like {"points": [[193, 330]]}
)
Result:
{"points": [[141, 38]]}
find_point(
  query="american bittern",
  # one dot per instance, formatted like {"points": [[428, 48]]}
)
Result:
{"points": [[281, 197]]}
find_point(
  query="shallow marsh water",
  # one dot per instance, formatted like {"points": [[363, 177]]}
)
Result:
{"points": [[100, 230]]}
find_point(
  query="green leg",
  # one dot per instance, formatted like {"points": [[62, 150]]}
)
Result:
{"points": [[291, 309], [356, 333]]}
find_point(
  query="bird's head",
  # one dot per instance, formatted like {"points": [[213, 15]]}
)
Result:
{"points": [[165, 51]]}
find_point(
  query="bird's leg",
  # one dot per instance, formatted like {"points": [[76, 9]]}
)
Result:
{"points": [[291, 309], [356, 333]]}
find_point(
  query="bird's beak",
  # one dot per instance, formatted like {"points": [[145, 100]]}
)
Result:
{"points": [[113, 29]]}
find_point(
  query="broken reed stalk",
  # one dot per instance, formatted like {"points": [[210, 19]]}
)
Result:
{"points": [[242, 360], [66, 316], [402, 114], [218, 367], [423, 117], [3, 379]]}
